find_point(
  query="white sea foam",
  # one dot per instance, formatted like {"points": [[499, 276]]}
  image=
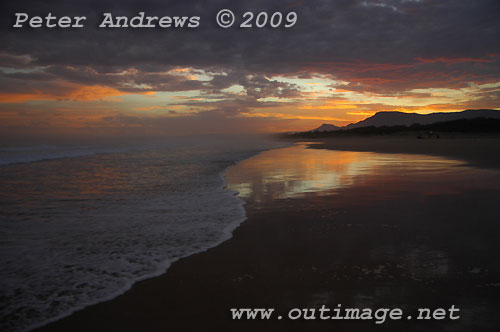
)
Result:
{"points": [[78, 231]]}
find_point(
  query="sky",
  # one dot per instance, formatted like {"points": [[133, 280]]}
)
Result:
{"points": [[341, 62]]}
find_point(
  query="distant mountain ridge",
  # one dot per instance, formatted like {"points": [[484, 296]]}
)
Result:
{"points": [[388, 118], [394, 118], [325, 127], [474, 126]]}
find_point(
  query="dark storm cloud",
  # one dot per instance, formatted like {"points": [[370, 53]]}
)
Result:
{"points": [[384, 45]]}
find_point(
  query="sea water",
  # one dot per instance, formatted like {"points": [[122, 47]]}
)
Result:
{"points": [[80, 224]]}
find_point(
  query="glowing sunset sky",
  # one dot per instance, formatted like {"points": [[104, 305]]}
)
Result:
{"points": [[342, 62]]}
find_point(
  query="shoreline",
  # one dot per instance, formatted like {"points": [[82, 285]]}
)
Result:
{"points": [[226, 234], [476, 151], [248, 269]]}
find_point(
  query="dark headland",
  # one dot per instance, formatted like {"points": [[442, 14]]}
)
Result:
{"points": [[472, 135]]}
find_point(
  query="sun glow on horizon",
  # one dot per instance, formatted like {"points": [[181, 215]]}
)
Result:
{"points": [[287, 102]]}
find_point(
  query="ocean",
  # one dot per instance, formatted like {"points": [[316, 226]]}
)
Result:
{"points": [[80, 224]]}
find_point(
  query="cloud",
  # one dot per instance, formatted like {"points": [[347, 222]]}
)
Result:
{"points": [[381, 51], [327, 31], [74, 93]]}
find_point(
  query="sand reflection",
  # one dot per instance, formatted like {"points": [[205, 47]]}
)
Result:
{"points": [[296, 171]]}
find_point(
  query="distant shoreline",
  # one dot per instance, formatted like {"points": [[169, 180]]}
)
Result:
{"points": [[481, 151], [475, 126]]}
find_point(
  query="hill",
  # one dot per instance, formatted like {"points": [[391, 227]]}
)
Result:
{"points": [[407, 119], [469, 126], [325, 127]]}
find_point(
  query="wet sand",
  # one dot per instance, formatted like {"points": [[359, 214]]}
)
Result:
{"points": [[475, 150], [378, 242]]}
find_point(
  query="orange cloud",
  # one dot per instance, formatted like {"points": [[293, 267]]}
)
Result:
{"points": [[331, 104], [157, 107], [66, 92], [362, 113], [327, 107], [291, 116], [342, 90], [86, 93]]}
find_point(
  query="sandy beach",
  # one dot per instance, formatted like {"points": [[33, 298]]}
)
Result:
{"points": [[425, 236], [481, 151]]}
